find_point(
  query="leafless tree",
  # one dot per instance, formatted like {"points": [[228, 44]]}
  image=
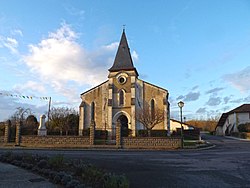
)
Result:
{"points": [[149, 117], [20, 114], [63, 118]]}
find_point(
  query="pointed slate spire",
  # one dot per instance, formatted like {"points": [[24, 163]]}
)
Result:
{"points": [[123, 60]]}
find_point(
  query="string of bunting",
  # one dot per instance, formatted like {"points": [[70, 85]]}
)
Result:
{"points": [[24, 97]]}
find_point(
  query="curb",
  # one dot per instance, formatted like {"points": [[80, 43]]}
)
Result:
{"points": [[235, 138]]}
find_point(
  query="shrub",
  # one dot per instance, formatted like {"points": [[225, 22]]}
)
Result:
{"points": [[42, 164], [76, 173], [56, 161], [244, 127], [101, 134], [93, 176], [235, 134], [142, 133], [126, 132], [86, 132], [28, 158], [115, 181], [154, 133]]}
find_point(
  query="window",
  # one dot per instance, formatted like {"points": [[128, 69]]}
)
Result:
{"points": [[92, 111], [152, 104], [122, 79], [121, 98]]}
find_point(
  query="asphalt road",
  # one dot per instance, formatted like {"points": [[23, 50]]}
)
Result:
{"points": [[226, 165]]}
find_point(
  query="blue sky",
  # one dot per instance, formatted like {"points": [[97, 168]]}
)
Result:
{"points": [[198, 50]]}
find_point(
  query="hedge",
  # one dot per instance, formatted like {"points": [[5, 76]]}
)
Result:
{"points": [[244, 127], [154, 133]]}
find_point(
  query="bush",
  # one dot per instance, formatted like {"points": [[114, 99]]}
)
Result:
{"points": [[126, 132], [244, 127], [154, 133], [86, 132], [101, 134], [56, 161], [75, 173], [115, 181], [191, 134]]}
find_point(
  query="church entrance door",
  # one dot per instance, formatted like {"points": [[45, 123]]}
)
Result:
{"points": [[124, 125]]}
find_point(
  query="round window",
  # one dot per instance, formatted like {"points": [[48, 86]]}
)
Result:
{"points": [[122, 80]]}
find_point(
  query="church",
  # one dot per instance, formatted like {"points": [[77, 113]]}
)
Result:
{"points": [[121, 96]]}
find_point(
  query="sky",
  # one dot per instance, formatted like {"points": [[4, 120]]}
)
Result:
{"points": [[198, 50]]}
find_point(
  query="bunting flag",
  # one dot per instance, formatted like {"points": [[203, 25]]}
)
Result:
{"points": [[23, 96]]}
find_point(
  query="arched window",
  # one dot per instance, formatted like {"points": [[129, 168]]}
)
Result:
{"points": [[152, 104], [121, 97], [92, 111]]}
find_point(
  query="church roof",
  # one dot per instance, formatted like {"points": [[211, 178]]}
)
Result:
{"points": [[123, 60]]}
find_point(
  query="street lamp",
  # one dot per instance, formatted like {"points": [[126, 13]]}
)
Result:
{"points": [[181, 104]]}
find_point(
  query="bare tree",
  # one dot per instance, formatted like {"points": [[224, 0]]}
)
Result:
{"points": [[150, 116], [61, 118], [21, 114]]}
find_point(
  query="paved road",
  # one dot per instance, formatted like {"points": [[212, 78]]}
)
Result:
{"points": [[226, 165]]}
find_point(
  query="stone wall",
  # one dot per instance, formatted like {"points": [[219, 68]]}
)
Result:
{"points": [[150, 143], [1, 139], [55, 141]]}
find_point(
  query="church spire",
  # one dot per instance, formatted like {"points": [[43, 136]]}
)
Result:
{"points": [[123, 60]]}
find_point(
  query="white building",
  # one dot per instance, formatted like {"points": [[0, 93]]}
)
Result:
{"points": [[174, 125], [229, 121]]}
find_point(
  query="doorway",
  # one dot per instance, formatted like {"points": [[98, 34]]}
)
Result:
{"points": [[124, 125]]}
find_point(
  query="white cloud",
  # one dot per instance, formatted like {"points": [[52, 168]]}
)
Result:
{"points": [[214, 91], [214, 101], [9, 43], [192, 96], [201, 111], [17, 32], [74, 11], [135, 56], [31, 86], [112, 46], [240, 80], [66, 65]]}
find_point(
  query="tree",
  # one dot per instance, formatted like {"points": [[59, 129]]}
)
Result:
{"points": [[21, 114], [31, 124], [205, 124], [63, 119], [149, 116]]}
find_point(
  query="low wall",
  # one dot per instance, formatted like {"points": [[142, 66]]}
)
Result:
{"points": [[150, 143], [54, 141]]}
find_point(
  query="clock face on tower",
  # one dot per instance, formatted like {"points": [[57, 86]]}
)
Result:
{"points": [[121, 78]]}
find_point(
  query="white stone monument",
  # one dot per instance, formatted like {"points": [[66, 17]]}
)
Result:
{"points": [[42, 131]]}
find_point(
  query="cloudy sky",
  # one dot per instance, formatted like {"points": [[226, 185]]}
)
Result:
{"points": [[198, 50]]}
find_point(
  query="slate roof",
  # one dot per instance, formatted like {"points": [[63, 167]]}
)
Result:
{"points": [[241, 109], [123, 60]]}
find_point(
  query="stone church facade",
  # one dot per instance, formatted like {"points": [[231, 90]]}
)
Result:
{"points": [[121, 96]]}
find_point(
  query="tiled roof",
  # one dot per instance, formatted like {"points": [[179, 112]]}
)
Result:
{"points": [[241, 109], [123, 60]]}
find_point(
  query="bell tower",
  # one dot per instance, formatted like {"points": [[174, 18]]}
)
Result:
{"points": [[122, 80]]}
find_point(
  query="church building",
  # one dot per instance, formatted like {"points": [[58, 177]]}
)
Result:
{"points": [[121, 96]]}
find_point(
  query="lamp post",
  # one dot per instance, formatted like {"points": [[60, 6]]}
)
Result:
{"points": [[181, 104]]}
